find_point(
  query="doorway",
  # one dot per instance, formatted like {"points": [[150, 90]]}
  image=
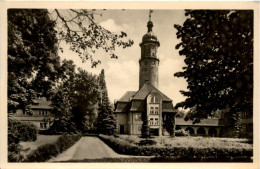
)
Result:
{"points": [[122, 129], [154, 132]]}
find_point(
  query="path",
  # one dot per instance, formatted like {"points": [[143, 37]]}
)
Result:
{"points": [[87, 148]]}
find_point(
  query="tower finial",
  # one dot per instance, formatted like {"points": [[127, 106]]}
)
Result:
{"points": [[150, 12], [150, 23]]}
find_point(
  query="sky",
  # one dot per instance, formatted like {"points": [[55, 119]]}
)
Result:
{"points": [[122, 74]]}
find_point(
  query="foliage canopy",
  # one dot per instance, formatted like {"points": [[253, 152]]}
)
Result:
{"points": [[218, 50]]}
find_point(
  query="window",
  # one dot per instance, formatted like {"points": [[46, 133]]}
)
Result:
{"points": [[138, 117], [147, 53], [154, 99], [151, 110], [156, 110], [151, 121], [156, 121], [43, 125]]}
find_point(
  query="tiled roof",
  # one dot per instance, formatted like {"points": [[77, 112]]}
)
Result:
{"points": [[42, 103], [137, 100], [127, 96], [138, 105], [147, 89], [121, 107], [167, 107], [203, 122]]}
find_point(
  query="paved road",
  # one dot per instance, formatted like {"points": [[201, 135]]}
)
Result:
{"points": [[88, 148]]}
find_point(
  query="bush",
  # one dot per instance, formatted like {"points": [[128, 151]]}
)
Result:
{"points": [[22, 131], [47, 151], [181, 132], [178, 153], [19, 132], [60, 126], [147, 142], [14, 153]]}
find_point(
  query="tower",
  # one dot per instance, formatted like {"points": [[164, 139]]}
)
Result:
{"points": [[149, 62]]}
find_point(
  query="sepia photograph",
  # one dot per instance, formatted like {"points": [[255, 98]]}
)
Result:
{"points": [[130, 85]]}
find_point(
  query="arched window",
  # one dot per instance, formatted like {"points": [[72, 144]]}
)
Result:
{"points": [[190, 129], [154, 99], [212, 131], [201, 131]]}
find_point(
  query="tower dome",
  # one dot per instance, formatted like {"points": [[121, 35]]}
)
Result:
{"points": [[150, 36]]}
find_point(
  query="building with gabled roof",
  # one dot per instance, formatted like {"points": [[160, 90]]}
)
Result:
{"points": [[41, 114], [148, 99]]}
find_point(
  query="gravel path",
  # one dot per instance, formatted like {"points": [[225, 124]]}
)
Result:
{"points": [[88, 148]]}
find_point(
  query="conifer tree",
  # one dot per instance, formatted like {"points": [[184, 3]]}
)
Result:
{"points": [[106, 122], [145, 127]]}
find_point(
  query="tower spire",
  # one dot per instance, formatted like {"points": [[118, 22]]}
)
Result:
{"points": [[150, 14], [150, 23]]}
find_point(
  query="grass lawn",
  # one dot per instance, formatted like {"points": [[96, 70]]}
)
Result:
{"points": [[41, 140], [198, 142]]}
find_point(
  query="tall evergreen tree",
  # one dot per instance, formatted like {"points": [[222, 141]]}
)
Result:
{"points": [[145, 131], [106, 122]]}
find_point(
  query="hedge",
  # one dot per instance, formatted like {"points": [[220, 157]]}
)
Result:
{"points": [[17, 132], [47, 151], [179, 153], [21, 131]]}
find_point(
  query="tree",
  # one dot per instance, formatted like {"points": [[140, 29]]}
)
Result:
{"points": [[218, 50], [180, 113], [34, 36], [85, 98], [145, 131], [106, 122], [32, 59], [62, 99], [79, 29]]}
